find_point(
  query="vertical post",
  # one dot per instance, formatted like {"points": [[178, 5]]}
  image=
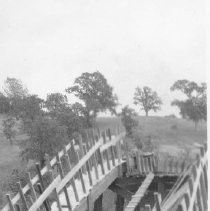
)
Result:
{"points": [[99, 132], [118, 152], [57, 200], [33, 193], [22, 196], [203, 192], [64, 188], [47, 159], [138, 162], [89, 173], [198, 196], [119, 203], [157, 201], [109, 134], [98, 203], [150, 163], [187, 200], [112, 155], [101, 161], [142, 164], [82, 181], [40, 175], [45, 202], [11, 206]]}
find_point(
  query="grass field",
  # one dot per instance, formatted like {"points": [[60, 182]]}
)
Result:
{"points": [[168, 133]]}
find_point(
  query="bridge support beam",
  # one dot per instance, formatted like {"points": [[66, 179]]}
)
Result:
{"points": [[98, 206], [119, 203]]}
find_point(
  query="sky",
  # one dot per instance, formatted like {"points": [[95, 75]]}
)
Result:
{"points": [[48, 43]]}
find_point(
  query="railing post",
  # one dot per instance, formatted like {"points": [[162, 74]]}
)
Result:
{"points": [[22, 195], [11, 206], [157, 201]]}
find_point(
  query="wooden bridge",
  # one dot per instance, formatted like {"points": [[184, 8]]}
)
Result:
{"points": [[102, 162]]}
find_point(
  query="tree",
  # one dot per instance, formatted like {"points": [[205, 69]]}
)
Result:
{"points": [[56, 103], [44, 136], [31, 107], [147, 99], [128, 119], [14, 88], [97, 95], [194, 107], [15, 92], [8, 129]]}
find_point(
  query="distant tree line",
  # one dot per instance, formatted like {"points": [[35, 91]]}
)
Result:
{"points": [[50, 123]]}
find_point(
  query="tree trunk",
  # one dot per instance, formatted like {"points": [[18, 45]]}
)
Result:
{"points": [[146, 113]]}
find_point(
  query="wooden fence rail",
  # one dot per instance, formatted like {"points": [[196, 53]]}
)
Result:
{"points": [[142, 163]]}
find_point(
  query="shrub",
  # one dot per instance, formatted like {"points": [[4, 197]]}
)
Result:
{"points": [[128, 119]]}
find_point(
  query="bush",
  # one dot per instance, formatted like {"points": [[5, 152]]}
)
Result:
{"points": [[128, 119]]}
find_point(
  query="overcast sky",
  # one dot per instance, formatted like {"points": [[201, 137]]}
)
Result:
{"points": [[48, 43]]}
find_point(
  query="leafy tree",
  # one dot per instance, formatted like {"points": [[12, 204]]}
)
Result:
{"points": [[31, 107], [15, 92], [97, 95], [8, 129], [128, 119], [4, 104], [147, 99], [56, 103], [194, 107], [14, 88], [44, 136]]}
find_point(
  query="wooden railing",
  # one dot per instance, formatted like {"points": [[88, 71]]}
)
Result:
{"points": [[190, 192], [92, 155], [140, 163]]}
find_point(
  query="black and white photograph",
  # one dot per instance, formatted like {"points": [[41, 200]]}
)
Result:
{"points": [[103, 105]]}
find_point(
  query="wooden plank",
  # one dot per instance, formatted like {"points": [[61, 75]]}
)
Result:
{"points": [[45, 194], [76, 168], [136, 198]]}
